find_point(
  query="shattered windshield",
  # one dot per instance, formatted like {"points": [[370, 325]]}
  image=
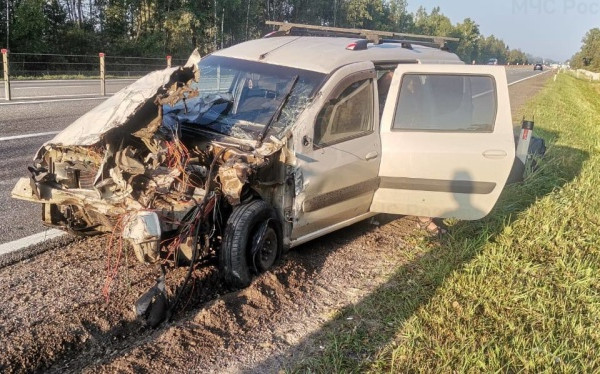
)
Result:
{"points": [[243, 99]]}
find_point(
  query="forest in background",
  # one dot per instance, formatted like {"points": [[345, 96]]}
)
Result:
{"points": [[589, 56], [159, 27]]}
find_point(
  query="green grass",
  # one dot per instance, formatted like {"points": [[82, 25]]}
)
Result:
{"points": [[516, 292]]}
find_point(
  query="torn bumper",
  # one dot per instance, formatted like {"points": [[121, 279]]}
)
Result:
{"points": [[143, 231], [142, 227], [38, 192]]}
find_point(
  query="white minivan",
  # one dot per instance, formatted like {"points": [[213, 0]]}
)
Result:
{"points": [[263, 146]]}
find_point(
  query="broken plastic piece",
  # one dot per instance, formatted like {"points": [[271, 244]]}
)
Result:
{"points": [[143, 231], [153, 304]]}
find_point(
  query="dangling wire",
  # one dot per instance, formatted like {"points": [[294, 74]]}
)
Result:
{"points": [[193, 226]]}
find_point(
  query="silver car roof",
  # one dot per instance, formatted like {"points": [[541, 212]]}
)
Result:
{"points": [[326, 54]]}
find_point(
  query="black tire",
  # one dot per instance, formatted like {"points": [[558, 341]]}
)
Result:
{"points": [[235, 258]]}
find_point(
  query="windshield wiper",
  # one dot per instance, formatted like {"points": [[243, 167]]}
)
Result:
{"points": [[277, 113]]}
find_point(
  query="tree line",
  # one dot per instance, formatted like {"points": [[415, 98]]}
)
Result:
{"points": [[589, 56], [159, 27]]}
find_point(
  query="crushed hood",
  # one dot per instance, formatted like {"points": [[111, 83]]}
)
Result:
{"points": [[118, 109]]}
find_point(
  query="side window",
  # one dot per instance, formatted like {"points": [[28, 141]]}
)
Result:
{"points": [[347, 116], [452, 103]]}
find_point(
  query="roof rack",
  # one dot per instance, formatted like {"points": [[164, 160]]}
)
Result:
{"points": [[374, 36]]}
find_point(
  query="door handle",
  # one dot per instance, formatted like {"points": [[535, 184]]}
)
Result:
{"points": [[494, 154], [371, 156]]}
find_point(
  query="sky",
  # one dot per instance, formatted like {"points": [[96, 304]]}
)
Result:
{"points": [[544, 28]]}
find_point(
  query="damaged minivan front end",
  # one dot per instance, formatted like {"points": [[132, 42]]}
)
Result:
{"points": [[166, 161]]}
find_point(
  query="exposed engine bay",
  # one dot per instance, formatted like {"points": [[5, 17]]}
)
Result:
{"points": [[161, 164], [135, 164]]}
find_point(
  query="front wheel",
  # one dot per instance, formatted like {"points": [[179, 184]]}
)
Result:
{"points": [[252, 243]]}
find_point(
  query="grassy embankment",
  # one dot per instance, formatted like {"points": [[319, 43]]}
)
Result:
{"points": [[517, 291]]}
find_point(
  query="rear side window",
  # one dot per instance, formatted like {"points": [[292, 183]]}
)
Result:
{"points": [[440, 103]]}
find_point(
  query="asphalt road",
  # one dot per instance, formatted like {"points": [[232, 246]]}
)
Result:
{"points": [[47, 107], [61, 89]]}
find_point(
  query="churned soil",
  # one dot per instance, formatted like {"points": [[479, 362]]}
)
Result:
{"points": [[54, 316]]}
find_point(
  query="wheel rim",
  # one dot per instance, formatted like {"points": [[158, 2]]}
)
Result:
{"points": [[266, 256]]}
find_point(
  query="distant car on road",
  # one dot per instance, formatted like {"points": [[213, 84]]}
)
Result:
{"points": [[492, 61], [539, 67]]}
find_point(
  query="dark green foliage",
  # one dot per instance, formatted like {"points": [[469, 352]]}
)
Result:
{"points": [[589, 56], [160, 27]]}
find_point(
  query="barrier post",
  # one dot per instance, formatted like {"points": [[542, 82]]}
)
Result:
{"points": [[6, 75], [522, 152], [168, 61], [102, 75]]}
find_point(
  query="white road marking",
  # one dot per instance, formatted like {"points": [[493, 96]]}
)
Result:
{"points": [[53, 96], [524, 79], [29, 135], [39, 87], [483, 94], [54, 101], [510, 84], [29, 241], [8, 182], [69, 80], [58, 86]]}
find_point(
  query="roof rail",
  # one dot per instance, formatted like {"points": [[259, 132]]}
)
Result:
{"points": [[377, 37]]}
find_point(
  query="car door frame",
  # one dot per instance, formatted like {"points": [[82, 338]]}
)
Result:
{"points": [[457, 174], [307, 175]]}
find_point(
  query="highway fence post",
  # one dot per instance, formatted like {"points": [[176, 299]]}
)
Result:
{"points": [[102, 75], [6, 75], [168, 61]]}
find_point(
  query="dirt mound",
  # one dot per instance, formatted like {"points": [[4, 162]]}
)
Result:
{"points": [[240, 329], [55, 318]]}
